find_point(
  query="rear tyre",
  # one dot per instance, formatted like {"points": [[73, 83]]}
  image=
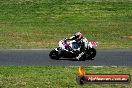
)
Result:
{"points": [[54, 55]]}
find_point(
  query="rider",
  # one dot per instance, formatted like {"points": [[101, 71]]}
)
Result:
{"points": [[77, 37]]}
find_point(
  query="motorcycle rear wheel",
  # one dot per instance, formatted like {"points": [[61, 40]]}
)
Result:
{"points": [[54, 55]]}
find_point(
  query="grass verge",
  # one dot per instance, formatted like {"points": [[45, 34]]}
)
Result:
{"points": [[55, 76]]}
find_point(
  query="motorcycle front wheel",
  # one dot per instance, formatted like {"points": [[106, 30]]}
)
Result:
{"points": [[90, 53]]}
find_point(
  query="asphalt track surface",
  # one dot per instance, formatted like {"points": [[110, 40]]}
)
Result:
{"points": [[115, 57]]}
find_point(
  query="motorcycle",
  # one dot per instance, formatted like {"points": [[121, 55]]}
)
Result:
{"points": [[79, 50]]}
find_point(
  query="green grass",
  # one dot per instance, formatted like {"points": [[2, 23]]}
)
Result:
{"points": [[55, 76], [42, 23]]}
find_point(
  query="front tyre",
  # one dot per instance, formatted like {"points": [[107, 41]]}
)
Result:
{"points": [[92, 52], [54, 55]]}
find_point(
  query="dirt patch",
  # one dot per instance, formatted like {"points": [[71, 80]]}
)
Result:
{"points": [[127, 37]]}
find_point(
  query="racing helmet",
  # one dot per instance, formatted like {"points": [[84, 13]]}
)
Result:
{"points": [[78, 35]]}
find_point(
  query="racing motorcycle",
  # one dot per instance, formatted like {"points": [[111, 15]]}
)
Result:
{"points": [[81, 50]]}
